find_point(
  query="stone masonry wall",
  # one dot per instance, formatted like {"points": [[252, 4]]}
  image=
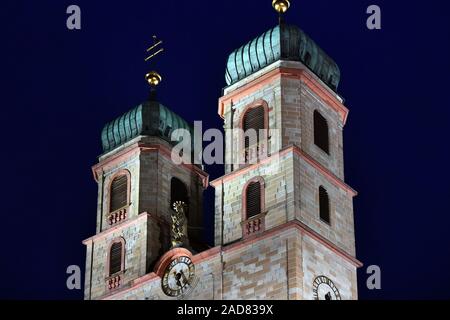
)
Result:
{"points": [[320, 261], [271, 94], [132, 166], [135, 238], [277, 174], [292, 104], [150, 172], [280, 266], [307, 182], [309, 103]]}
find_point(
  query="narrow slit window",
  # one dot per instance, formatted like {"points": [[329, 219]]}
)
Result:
{"points": [[321, 132], [324, 205]]}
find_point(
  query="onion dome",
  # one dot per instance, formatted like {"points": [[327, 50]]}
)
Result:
{"points": [[284, 42], [150, 118]]}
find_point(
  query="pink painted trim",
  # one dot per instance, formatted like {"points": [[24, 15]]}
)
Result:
{"points": [[150, 277], [105, 233], [327, 173], [301, 227], [168, 257], [114, 160], [139, 148], [108, 256], [253, 105], [277, 74], [325, 96], [211, 253], [206, 255]]}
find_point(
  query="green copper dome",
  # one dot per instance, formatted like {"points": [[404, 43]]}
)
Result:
{"points": [[284, 42], [150, 118]]}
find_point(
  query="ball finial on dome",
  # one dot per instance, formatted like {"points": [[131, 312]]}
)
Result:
{"points": [[281, 6], [153, 78]]}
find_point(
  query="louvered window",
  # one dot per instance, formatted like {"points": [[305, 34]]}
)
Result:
{"points": [[253, 199], [324, 205], [321, 135], [115, 258], [119, 193], [253, 119]]}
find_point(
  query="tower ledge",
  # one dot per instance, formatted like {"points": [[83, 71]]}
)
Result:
{"points": [[277, 69]]}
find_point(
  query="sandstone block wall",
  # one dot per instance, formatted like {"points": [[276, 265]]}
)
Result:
{"points": [[281, 266]]}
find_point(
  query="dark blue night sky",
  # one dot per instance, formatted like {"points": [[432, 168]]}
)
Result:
{"points": [[60, 87]]}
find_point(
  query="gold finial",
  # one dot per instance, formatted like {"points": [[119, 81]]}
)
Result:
{"points": [[154, 78], [281, 6]]}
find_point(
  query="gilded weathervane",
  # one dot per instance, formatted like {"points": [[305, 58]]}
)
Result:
{"points": [[154, 78]]}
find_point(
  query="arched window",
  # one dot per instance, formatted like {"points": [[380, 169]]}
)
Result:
{"points": [[253, 122], [321, 134], [324, 205], [119, 193], [178, 192], [115, 258], [253, 200], [253, 119]]}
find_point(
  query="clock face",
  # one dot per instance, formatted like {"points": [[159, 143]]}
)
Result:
{"points": [[324, 289], [178, 277]]}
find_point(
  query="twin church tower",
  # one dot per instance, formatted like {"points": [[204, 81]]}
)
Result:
{"points": [[283, 223]]}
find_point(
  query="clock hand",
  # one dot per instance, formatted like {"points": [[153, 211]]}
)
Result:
{"points": [[177, 278], [184, 277]]}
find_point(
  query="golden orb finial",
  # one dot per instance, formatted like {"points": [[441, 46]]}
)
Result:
{"points": [[281, 6], [153, 78]]}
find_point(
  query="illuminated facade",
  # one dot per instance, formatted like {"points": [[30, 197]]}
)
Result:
{"points": [[283, 215]]}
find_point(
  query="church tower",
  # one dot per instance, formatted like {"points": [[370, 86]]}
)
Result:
{"points": [[138, 184], [283, 225], [283, 211]]}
